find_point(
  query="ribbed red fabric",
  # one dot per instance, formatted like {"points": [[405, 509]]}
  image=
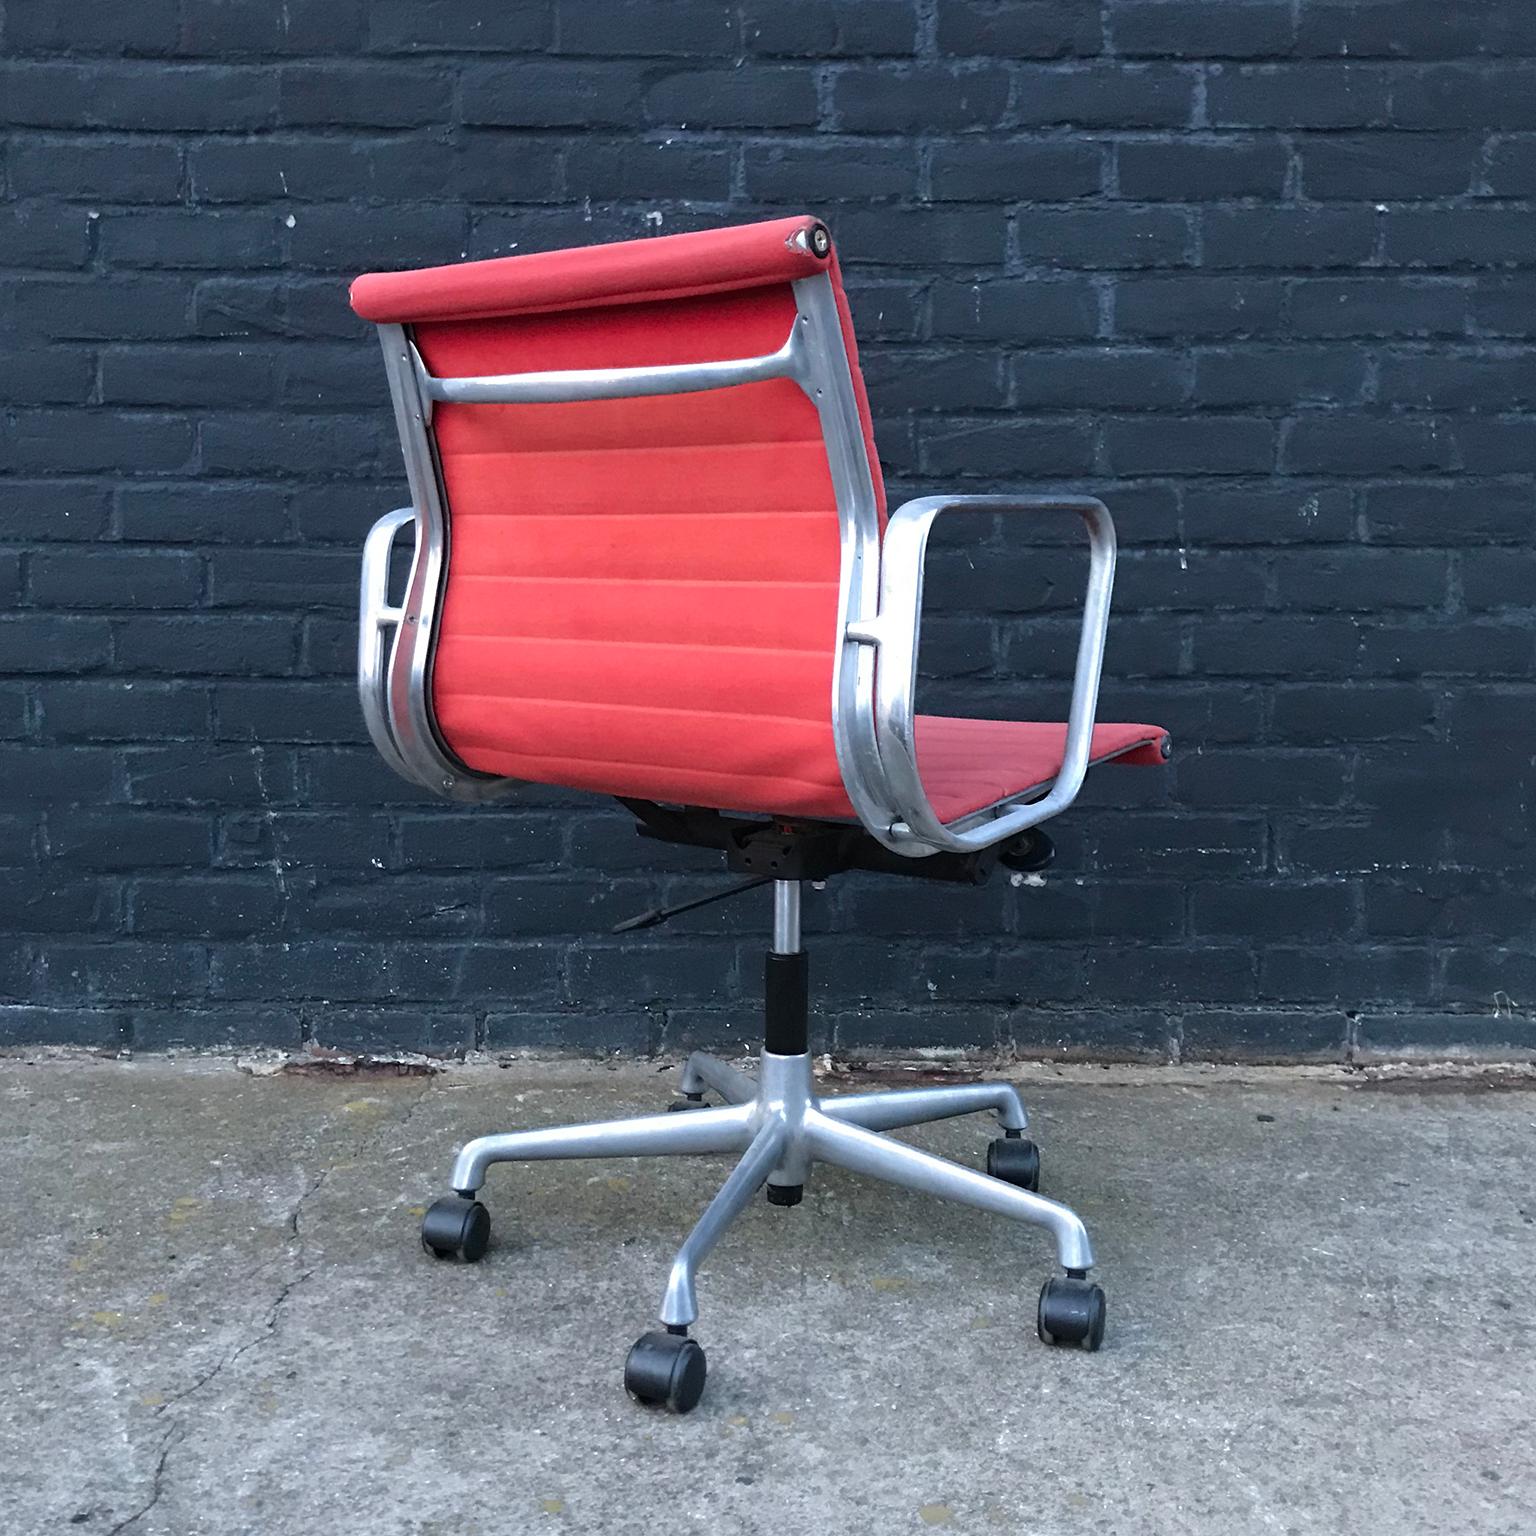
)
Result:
{"points": [[970, 764], [641, 595]]}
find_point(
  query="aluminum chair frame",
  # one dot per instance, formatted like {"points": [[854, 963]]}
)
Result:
{"points": [[879, 620], [776, 1121]]}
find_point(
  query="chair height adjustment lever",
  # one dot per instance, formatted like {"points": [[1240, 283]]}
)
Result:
{"points": [[657, 915]]}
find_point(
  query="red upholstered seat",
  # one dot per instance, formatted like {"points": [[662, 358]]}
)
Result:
{"points": [[970, 764], [641, 594]]}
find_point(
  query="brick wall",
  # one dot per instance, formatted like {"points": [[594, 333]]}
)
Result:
{"points": [[1258, 272]]}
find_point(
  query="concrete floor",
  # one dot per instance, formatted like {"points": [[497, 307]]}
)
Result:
{"points": [[216, 1317]]}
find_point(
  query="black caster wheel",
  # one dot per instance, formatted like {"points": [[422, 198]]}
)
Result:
{"points": [[456, 1226], [1014, 1160], [665, 1370], [688, 1101], [1028, 853], [1071, 1313]]}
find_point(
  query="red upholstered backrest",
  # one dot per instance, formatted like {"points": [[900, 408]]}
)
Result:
{"points": [[641, 595]]}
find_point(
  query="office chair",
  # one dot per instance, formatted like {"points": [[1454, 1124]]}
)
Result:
{"points": [[651, 559]]}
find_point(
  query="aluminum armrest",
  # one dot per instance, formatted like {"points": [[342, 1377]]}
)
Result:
{"points": [[378, 623], [895, 634]]}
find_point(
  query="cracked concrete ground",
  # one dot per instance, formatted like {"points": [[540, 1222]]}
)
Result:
{"points": [[216, 1317]]}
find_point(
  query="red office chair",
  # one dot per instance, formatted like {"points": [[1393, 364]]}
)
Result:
{"points": [[652, 561]]}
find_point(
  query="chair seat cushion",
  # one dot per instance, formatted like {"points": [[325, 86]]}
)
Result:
{"points": [[968, 765]]}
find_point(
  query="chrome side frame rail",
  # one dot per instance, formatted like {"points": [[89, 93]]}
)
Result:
{"points": [[894, 638], [419, 755], [380, 620], [830, 387], [879, 615], [780, 1126]]}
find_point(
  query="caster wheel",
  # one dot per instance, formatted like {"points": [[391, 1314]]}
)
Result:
{"points": [[456, 1226], [665, 1370], [1014, 1160], [1071, 1313], [688, 1101], [1028, 853]]}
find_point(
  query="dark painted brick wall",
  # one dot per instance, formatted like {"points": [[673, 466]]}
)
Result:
{"points": [[1261, 273]]}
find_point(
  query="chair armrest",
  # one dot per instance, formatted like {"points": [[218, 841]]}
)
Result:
{"points": [[378, 624], [896, 634]]}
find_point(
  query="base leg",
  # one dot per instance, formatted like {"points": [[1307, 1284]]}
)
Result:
{"points": [[705, 1130], [702, 1071], [915, 1106], [679, 1308], [861, 1151]]}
